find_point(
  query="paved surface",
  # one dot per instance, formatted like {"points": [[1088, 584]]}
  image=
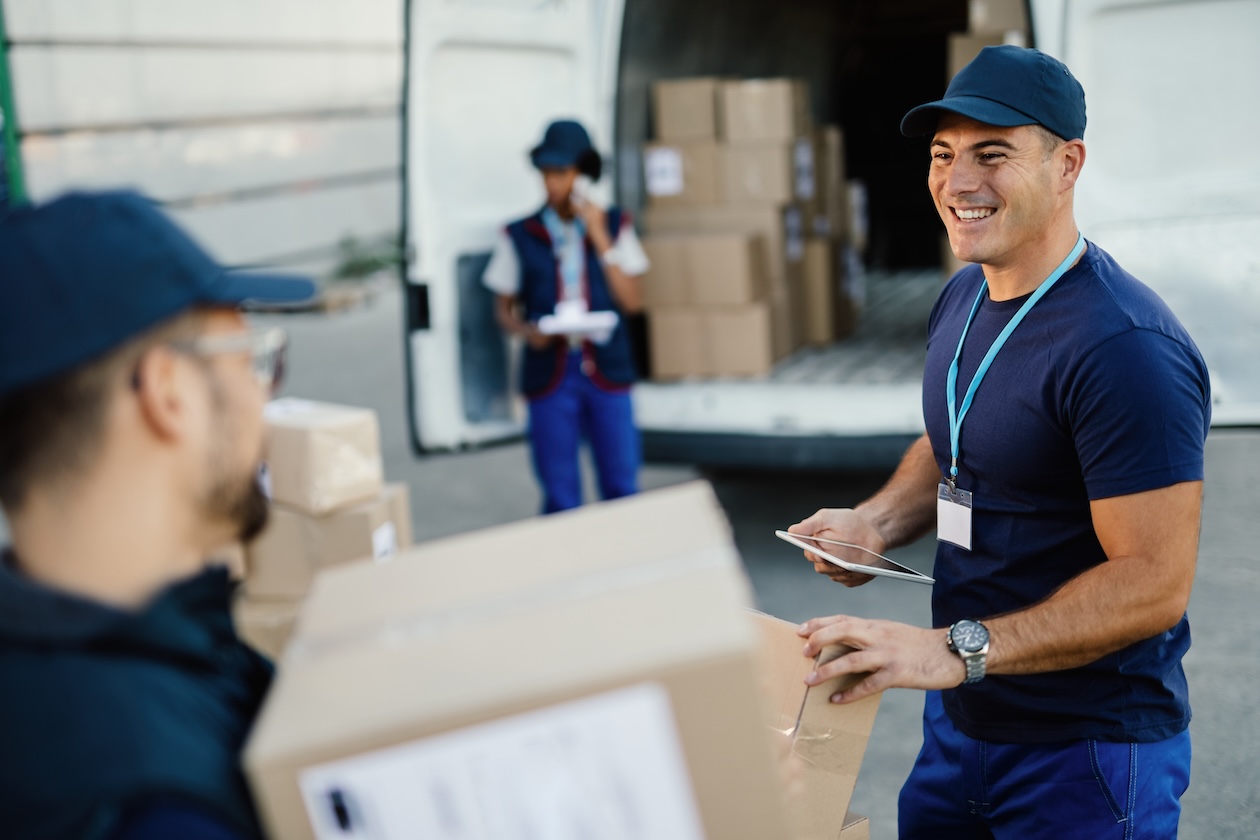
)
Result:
{"points": [[355, 357]]}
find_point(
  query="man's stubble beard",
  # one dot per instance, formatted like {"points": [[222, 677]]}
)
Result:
{"points": [[232, 496]]}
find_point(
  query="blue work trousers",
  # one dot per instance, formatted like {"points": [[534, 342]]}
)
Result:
{"points": [[575, 410], [1092, 790]]}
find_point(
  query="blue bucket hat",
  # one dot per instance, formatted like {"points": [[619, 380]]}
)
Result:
{"points": [[1009, 86], [86, 272], [566, 143]]}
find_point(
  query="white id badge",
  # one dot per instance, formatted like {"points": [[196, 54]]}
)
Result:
{"points": [[953, 515]]}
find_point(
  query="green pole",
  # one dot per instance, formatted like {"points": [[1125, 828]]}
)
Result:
{"points": [[8, 114]]}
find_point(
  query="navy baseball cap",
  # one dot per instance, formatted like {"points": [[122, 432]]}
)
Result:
{"points": [[1009, 86], [84, 273], [566, 143]]}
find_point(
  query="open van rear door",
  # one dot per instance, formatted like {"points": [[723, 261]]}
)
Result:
{"points": [[484, 77], [1171, 185]]}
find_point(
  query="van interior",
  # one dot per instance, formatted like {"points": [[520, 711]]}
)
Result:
{"points": [[867, 64]]}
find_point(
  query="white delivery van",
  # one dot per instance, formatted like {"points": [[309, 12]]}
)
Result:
{"points": [[1170, 188]]}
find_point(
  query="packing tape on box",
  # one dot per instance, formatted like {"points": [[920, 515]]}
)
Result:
{"points": [[405, 630], [821, 745]]}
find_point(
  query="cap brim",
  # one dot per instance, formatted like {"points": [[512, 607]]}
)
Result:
{"points": [[240, 287], [922, 120], [543, 158]]}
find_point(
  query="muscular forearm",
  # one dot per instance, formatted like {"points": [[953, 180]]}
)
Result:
{"points": [[1141, 590], [905, 508]]}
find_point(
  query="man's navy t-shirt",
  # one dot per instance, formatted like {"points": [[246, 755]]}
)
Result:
{"points": [[1099, 392]]}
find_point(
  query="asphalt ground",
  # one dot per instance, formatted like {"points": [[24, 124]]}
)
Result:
{"points": [[355, 357]]}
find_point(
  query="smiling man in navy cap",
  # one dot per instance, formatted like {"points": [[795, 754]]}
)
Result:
{"points": [[1066, 413], [131, 395]]}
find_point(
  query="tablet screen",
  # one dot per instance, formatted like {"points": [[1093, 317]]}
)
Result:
{"points": [[854, 555]]}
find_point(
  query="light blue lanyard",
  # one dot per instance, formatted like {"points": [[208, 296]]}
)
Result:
{"points": [[951, 385], [566, 241]]}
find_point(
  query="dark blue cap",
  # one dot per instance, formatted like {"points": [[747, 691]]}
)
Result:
{"points": [[564, 144], [84, 273], [1009, 86]]}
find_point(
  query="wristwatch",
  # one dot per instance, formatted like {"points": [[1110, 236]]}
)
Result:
{"points": [[970, 640]]}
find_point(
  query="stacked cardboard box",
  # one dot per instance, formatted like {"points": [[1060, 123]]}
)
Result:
{"points": [[990, 23], [734, 163], [608, 688], [329, 506]]}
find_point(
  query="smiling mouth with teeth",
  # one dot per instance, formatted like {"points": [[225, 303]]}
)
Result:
{"points": [[972, 215]]}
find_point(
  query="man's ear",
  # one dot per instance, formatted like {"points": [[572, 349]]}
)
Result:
{"points": [[160, 384], [1072, 157]]}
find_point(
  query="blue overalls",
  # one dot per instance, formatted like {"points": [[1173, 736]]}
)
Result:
{"points": [[577, 389]]}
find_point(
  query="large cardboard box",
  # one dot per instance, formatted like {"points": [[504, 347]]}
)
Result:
{"points": [[830, 209], [321, 456], [964, 47], [677, 343], [830, 307], [266, 625], [686, 109], [683, 173], [997, 16], [774, 172], [760, 110], [283, 560], [780, 230], [739, 340], [828, 741], [704, 269], [604, 676]]}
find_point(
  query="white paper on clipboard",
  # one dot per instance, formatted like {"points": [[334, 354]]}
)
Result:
{"points": [[844, 555]]}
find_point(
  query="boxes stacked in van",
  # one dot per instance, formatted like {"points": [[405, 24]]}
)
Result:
{"points": [[990, 23], [330, 506], [746, 212]]}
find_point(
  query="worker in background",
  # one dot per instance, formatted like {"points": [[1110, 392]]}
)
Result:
{"points": [[131, 432], [1062, 469], [564, 279]]}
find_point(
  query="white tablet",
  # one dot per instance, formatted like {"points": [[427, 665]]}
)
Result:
{"points": [[854, 558]]}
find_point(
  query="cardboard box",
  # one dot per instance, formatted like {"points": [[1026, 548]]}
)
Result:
{"points": [[593, 680], [820, 292], [266, 625], [828, 740], [964, 47], [677, 344], [760, 110], [783, 333], [704, 269], [683, 173], [781, 242], [831, 208], [284, 559], [686, 109], [321, 456], [775, 172], [739, 340], [997, 16]]}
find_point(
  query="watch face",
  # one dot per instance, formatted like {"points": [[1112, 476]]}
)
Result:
{"points": [[969, 636]]}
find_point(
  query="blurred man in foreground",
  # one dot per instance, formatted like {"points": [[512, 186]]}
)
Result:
{"points": [[131, 396]]}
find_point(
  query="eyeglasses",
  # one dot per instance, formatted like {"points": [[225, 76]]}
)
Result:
{"points": [[265, 347]]}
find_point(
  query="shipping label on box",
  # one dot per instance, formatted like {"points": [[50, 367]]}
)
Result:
{"points": [[608, 765], [686, 109], [683, 173], [322, 456]]}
